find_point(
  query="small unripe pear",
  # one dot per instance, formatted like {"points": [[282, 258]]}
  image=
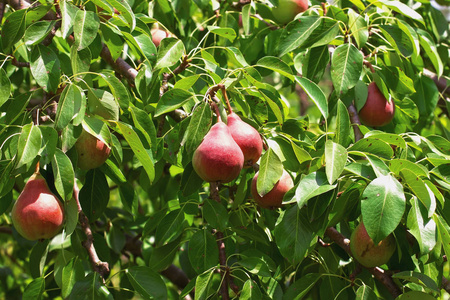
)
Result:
{"points": [[288, 9], [274, 198], [377, 111], [247, 137], [37, 213], [92, 152], [366, 252], [218, 158]]}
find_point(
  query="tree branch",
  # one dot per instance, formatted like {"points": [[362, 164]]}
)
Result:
{"points": [[167, 76], [377, 272], [354, 118], [98, 266]]}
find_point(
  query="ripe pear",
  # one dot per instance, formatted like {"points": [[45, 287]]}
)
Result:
{"points": [[377, 111], [158, 35], [92, 152], [274, 198], [218, 158], [366, 252], [288, 9], [37, 213], [247, 137]]}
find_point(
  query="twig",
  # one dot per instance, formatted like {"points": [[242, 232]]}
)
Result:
{"points": [[377, 272], [445, 284], [354, 118], [119, 65], [49, 38], [20, 64], [98, 266], [167, 76], [176, 276]]}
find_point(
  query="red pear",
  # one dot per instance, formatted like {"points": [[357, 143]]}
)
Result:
{"points": [[158, 35], [218, 158], [377, 111], [274, 198], [37, 213], [247, 137], [288, 9], [92, 152], [366, 252]]}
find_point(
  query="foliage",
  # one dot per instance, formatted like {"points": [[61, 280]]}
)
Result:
{"points": [[68, 65]]}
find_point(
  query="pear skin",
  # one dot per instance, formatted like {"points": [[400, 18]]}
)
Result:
{"points": [[218, 158], [377, 111], [37, 213], [274, 198], [92, 152]]}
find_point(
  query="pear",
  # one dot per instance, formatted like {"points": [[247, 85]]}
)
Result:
{"points": [[37, 213], [274, 198], [218, 158], [377, 111], [247, 137], [288, 9], [366, 252], [92, 152], [158, 35]]}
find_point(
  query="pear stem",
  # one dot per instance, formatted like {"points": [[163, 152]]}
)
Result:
{"points": [[369, 65], [224, 92], [36, 170], [216, 109]]}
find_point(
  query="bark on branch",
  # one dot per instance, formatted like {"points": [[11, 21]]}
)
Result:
{"points": [[354, 118], [98, 266]]}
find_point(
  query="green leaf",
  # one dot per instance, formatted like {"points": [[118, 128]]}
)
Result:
{"points": [[170, 227], [250, 290], [125, 12], [136, 145], [225, 32], [5, 87], [63, 174], [85, 28], [420, 189], [37, 32], [38, 257], [119, 91], [416, 295], [293, 235], [364, 292], [401, 8], [45, 67], [80, 61], [72, 272], [421, 227], [35, 289], [112, 39], [398, 39], [335, 159], [311, 185], [28, 145], [397, 80], [276, 64], [172, 100], [313, 64], [215, 214], [382, 206], [94, 195], [91, 287], [13, 29], [428, 44], [198, 127], [68, 14], [202, 283], [162, 257], [418, 278], [342, 135], [301, 287], [147, 282], [373, 146], [443, 233], [144, 123], [71, 103], [170, 51], [49, 142], [203, 251], [315, 93], [103, 104], [346, 67], [297, 32], [270, 172], [190, 181], [358, 27]]}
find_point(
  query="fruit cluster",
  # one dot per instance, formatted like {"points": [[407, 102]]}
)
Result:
{"points": [[227, 148]]}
